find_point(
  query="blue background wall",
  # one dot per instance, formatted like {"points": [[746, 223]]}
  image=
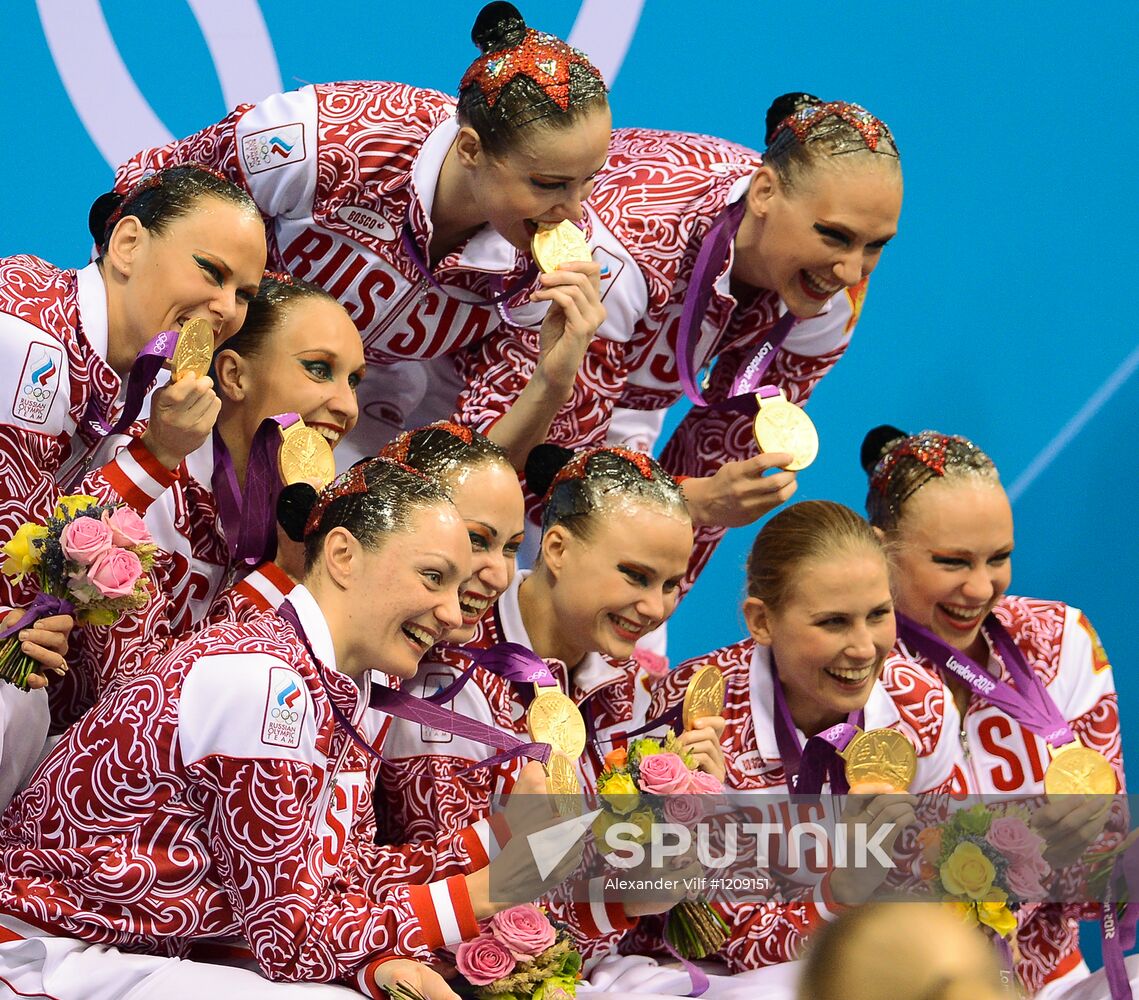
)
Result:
{"points": [[1003, 309]]}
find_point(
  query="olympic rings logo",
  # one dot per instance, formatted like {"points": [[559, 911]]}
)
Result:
{"points": [[285, 715], [37, 392]]}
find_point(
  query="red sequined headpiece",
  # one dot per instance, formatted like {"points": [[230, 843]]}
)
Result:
{"points": [[149, 182], [346, 484], [805, 120], [543, 58], [281, 277], [575, 468], [928, 449], [399, 449]]}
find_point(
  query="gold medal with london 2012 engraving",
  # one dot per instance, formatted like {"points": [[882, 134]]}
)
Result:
{"points": [[554, 246], [879, 760], [780, 425], [1079, 770], [553, 718], [563, 785], [704, 695], [194, 350], [305, 456]]}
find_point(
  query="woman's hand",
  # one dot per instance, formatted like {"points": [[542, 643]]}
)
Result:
{"points": [[575, 313], [1069, 824], [182, 415], [703, 742], [740, 492], [45, 641], [416, 976], [893, 811]]}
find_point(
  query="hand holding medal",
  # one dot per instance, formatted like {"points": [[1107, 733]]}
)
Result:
{"points": [[305, 456], [553, 246], [702, 715], [194, 351], [554, 719], [781, 426], [879, 761]]}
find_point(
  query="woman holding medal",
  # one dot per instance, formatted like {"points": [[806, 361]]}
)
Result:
{"points": [[711, 252], [1039, 664], [417, 212], [297, 355], [185, 246], [234, 746], [816, 668]]}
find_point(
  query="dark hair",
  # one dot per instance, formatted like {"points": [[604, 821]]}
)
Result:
{"points": [[811, 529], [899, 465], [275, 295], [523, 100], [578, 485], [375, 498], [801, 130], [162, 197], [442, 448]]}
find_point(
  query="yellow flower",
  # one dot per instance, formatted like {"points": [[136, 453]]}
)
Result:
{"points": [[619, 792], [994, 913], [966, 911], [644, 819], [967, 872], [644, 748], [97, 616], [23, 556], [70, 506]]}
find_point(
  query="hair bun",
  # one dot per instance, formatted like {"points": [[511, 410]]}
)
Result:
{"points": [[543, 463], [782, 107], [294, 505], [877, 442], [101, 211], [498, 26]]}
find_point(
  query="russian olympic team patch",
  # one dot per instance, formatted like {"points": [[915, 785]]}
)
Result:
{"points": [[273, 147], [611, 266], [38, 382], [286, 706]]}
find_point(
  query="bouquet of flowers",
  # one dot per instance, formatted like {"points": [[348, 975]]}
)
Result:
{"points": [[90, 560], [986, 863], [653, 780], [520, 956]]}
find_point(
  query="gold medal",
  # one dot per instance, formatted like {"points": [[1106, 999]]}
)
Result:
{"points": [[704, 695], [1079, 770], [305, 456], [562, 783], [782, 426], [553, 718], [880, 756], [194, 350], [557, 245]]}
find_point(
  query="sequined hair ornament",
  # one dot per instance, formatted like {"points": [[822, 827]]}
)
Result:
{"points": [[911, 462], [577, 467], [346, 484], [845, 128], [149, 183], [438, 449], [544, 59]]}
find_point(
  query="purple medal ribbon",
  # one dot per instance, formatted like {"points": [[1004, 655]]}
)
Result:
{"points": [[145, 368], [248, 516], [807, 767], [407, 238], [510, 660], [1117, 931], [405, 706], [1028, 703], [709, 262]]}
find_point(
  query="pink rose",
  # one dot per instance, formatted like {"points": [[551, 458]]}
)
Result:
{"points": [[1012, 837], [127, 528], [651, 663], [1025, 878], [703, 783], [84, 540], [686, 809], [524, 930], [115, 573], [483, 960], [664, 774]]}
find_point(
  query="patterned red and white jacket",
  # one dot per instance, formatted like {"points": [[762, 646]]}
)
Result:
{"points": [[645, 220], [211, 797], [905, 698], [995, 755]]}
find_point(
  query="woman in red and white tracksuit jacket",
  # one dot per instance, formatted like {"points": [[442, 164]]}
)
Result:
{"points": [[809, 235], [416, 211], [297, 351], [940, 499], [241, 818], [599, 586], [69, 341], [819, 606]]}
